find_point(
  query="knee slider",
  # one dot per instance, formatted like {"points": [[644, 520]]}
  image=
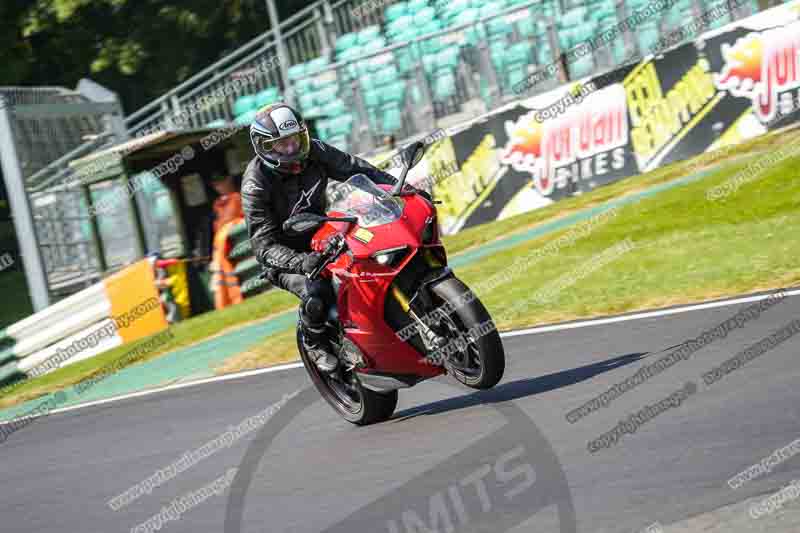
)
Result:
{"points": [[314, 309]]}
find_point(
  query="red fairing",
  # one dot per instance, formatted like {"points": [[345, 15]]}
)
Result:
{"points": [[363, 284]]}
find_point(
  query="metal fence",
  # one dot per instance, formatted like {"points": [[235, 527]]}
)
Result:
{"points": [[42, 129], [477, 84]]}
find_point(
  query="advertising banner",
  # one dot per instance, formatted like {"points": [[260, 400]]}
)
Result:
{"points": [[730, 84]]}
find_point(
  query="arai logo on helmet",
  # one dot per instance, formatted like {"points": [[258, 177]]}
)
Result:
{"points": [[289, 124]]}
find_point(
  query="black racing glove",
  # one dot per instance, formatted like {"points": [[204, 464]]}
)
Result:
{"points": [[311, 262]]}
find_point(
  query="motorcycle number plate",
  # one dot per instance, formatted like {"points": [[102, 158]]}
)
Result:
{"points": [[363, 235]]}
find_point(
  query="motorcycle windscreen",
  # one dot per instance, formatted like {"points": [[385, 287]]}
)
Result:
{"points": [[361, 198]]}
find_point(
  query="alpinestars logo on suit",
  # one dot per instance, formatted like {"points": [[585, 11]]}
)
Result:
{"points": [[305, 201]]}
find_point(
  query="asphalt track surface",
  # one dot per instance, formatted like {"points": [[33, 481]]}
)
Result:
{"points": [[59, 472]]}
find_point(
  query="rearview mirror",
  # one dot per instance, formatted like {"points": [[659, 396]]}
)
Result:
{"points": [[414, 153], [302, 224]]}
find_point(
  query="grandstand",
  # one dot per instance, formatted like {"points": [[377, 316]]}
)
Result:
{"points": [[408, 67]]}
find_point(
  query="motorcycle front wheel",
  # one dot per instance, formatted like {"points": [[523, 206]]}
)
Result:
{"points": [[346, 395], [474, 352]]}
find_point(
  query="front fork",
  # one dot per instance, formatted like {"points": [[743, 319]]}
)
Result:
{"points": [[422, 299]]}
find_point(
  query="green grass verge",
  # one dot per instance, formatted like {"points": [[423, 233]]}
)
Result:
{"points": [[686, 249]]}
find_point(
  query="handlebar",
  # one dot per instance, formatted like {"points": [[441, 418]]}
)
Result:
{"points": [[336, 246]]}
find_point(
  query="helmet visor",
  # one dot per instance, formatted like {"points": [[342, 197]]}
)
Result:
{"points": [[288, 148]]}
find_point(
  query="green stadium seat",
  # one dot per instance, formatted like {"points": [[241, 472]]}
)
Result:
{"points": [[317, 64], [497, 52], [296, 71], [326, 95], [515, 74], [432, 26], [406, 61], [368, 34], [572, 17], [244, 104], [395, 11], [415, 6], [367, 82], [448, 58], [385, 76], [531, 27], [377, 63], [307, 101], [474, 34], [399, 25], [350, 54], [340, 125], [336, 107], [432, 45], [519, 53], [374, 46], [304, 84], [647, 37], [395, 93], [391, 119], [498, 27], [429, 63], [246, 118], [618, 51], [345, 41], [491, 8], [444, 85], [452, 8], [581, 67], [372, 98], [267, 96], [408, 34], [424, 16]]}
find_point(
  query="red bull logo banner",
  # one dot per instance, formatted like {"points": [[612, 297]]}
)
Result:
{"points": [[764, 67], [586, 142]]}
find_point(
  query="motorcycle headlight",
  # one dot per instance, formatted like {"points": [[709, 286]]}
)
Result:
{"points": [[391, 256]]}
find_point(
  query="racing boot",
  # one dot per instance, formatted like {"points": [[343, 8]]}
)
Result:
{"points": [[319, 349]]}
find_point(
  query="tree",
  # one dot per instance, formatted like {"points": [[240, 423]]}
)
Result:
{"points": [[138, 48]]}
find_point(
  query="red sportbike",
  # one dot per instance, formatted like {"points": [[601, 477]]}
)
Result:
{"points": [[401, 316]]}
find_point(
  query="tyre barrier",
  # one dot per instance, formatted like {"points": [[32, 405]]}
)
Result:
{"points": [[120, 309]]}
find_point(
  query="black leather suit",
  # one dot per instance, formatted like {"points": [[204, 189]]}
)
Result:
{"points": [[269, 198]]}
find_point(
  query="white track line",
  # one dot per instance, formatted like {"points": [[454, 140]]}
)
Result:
{"points": [[644, 314], [530, 331]]}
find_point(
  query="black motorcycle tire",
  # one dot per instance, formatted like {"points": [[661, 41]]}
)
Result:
{"points": [[469, 315], [374, 407]]}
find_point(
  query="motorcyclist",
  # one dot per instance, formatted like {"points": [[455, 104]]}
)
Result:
{"points": [[289, 175]]}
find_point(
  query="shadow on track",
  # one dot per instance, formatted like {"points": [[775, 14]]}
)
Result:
{"points": [[521, 388]]}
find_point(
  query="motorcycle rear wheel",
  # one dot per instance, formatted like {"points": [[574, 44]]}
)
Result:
{"points": [[355, 403]]}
